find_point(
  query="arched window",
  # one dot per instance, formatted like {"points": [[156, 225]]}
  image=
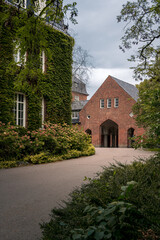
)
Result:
{"points": [[130, 135], [89, 132]]}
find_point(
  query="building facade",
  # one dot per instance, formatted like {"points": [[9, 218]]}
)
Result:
{"points": [[79, 98], [36, 69], [108, 115]]}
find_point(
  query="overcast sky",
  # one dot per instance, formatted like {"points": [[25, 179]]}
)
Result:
{"points": [[100, 34]]}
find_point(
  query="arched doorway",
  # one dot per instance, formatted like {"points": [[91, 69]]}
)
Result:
{"points": [[130, 134], [109, 134]]}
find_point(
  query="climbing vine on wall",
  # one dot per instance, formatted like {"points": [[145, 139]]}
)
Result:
{"points": [[33, 36]]}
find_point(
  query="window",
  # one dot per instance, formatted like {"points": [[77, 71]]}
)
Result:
{"points": [[75, 84], [22, 3], [108, 102], [101, 103], [19, 109], [75, 115], [76, 98], [17, 55], [131, 114], [42, 111], [42, 60], [40, 4], [116, 102]]}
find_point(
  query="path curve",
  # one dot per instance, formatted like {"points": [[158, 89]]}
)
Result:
{"points": [[27, 194]]}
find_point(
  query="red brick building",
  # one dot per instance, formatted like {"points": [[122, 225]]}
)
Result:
{"points": [[108, 116]]}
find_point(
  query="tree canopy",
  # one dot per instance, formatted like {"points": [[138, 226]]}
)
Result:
{"points": [[142, 18], [147, 111], [142, 29]]}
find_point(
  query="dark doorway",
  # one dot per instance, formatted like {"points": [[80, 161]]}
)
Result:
{"points": [[130, 134], [109, 134]]}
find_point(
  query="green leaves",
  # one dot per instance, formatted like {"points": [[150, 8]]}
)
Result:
{"points": [[142, 18], [147, 112], [115, 221]]}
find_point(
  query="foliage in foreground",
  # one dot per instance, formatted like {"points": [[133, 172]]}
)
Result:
{"points": [[54, 142], [122, 203]]}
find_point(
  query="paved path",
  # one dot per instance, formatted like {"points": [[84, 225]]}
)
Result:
{"points": [[27, 194]]}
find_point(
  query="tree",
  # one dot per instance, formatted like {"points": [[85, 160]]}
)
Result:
{"points": [[147, 112], [142, 29], [82, 64]]}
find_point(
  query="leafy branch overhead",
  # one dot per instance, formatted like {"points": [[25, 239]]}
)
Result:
{"points": [[142, 18]]}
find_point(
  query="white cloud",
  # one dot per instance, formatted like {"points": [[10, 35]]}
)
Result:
{"points": [[100, 34], [99, 75]]}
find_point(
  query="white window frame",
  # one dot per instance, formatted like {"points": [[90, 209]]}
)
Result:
{"points": [[116, 102], [22, 3], [101, 103], [20, 120], [43, 111], [131, 114], [18, 58], [75, 115], [109, 103], [76, 98], [76, 84], [42, 59], [40, 4]]}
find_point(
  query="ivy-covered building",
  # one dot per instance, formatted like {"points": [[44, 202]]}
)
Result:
{"points": [[35, 68]]}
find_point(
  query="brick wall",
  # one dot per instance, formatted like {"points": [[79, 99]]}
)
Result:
{"points": [[93, 117], [82, 97]]}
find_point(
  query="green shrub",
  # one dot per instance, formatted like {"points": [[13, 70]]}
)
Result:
{"points": [[118, 220], [109, 208], [52, 143], [9, 143], [47, 157], [8, 164]]}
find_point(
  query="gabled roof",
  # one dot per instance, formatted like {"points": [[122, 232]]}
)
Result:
{"points": [[78, 86], [78, 105], [128, 88]]}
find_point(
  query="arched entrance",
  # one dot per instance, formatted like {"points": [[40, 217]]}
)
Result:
{"points": [[130, 134], [109, 134]]}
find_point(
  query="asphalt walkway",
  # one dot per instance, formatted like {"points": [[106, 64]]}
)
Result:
{"points": [[27, 194]]}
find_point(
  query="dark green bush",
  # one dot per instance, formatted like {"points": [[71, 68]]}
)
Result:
{"points": [[108, 208], [53, 142]]}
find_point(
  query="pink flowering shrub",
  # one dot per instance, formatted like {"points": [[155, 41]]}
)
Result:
{"points": [[10, 144], [54, 139]]}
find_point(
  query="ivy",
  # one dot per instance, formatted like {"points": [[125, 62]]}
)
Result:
{"points": [[54, 85]]}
